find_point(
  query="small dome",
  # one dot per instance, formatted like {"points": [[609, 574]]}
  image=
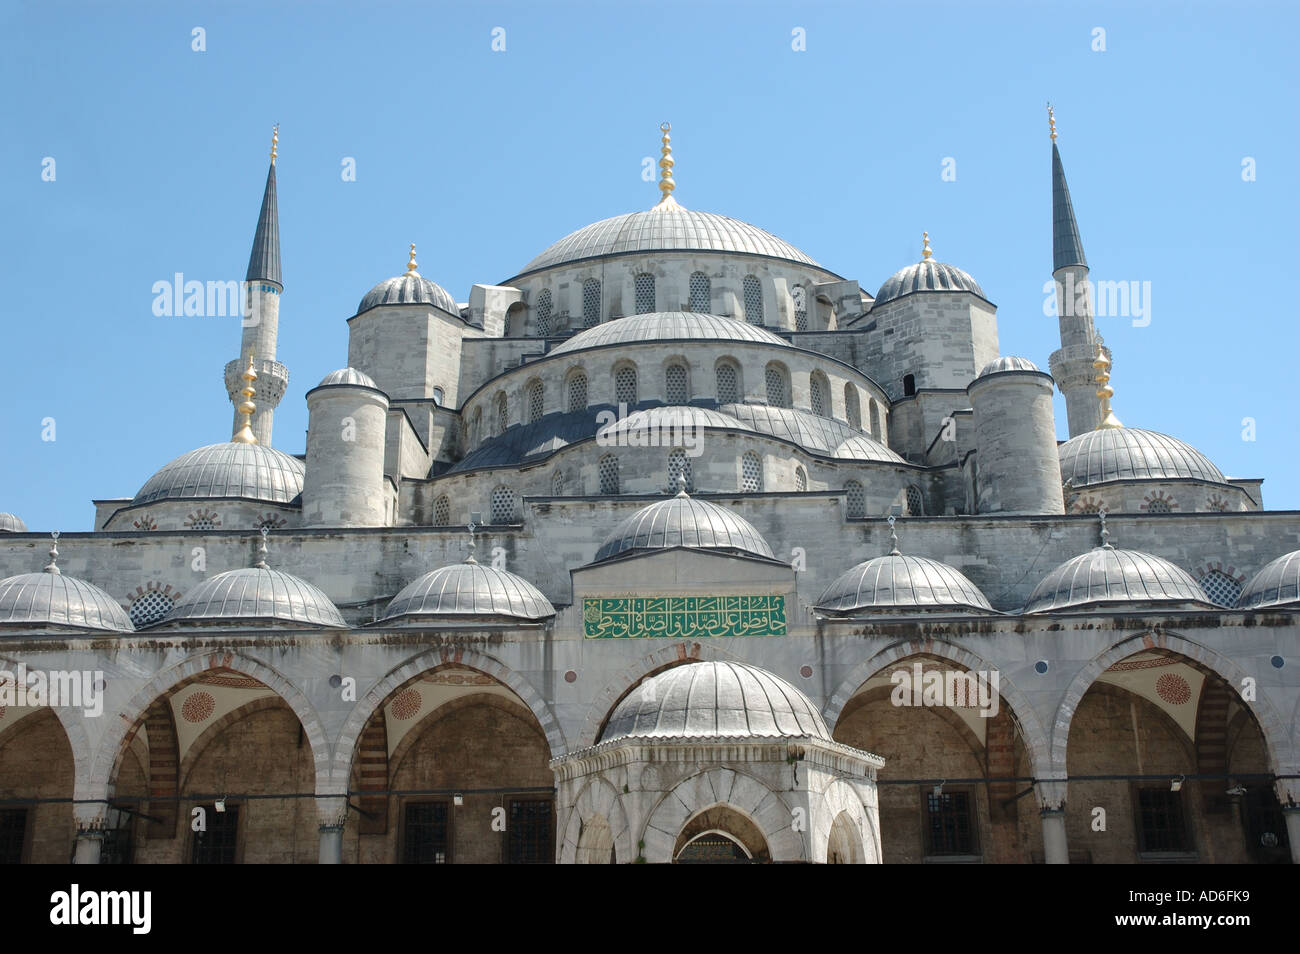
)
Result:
{"points": [[12, 523], [252, 471], [469, 589], [924, 276], [255, 595], [348, 376], [1008, 363], [812, 432], [1108, 575], [1129, 453], [1277, 584], [666, 228], [409, 289], [53, 599], [683, 521], [715, 700], [902, 582], [668, 326]]}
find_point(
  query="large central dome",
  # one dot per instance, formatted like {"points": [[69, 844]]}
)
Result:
{"points": [[666, 227]]}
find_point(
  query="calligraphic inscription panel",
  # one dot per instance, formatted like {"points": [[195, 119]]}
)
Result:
{"points": [[684, 617]]}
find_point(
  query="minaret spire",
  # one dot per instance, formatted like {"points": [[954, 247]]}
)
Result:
{"points": [[1104, 391], [666, 183], [247, 408], [261, 319], [1072, 363]]}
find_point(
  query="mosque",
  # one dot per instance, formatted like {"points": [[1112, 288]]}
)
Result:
{"points": [[674, 546]]}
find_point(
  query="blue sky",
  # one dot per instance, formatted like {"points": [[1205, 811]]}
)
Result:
{"points": [[484, 158]]}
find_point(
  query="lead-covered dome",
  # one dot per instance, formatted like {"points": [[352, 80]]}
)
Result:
{"points": [[53, 599], [683, 521], [715, 700], [668, 326], [468, 589], [1110, 575], [666, 227], [348, 376], [1130, 453], [409, 289], [1276, 584], [250, 471], [896, 582], [927, 276], [255, 596], [12, 523], [1008, 363]]}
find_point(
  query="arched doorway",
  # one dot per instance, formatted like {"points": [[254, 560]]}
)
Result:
{"points": [[720, 835], [36, 783]]}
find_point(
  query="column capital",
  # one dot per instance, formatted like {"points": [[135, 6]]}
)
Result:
{"points": [[1051, 795]]}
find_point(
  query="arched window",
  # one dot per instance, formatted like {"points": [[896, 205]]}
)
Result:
{"points": [[875, 421], [544, 313], [645, 293], [799, 295], [675, 391], [753, 293], [751, 473], [442, 512], [505, 325], [778, 385], [609, 474], [855, 499], [150, 607], [557, 484], [503, 412], [817, 395], [515, 321], [1159, 505], [800, 479], [577, 391], [728, 383], [701, 292], [679, 465], [915, 505], [1220, 588], [437, 396], [503, 505], [476, 427], [625, 385], [591, 302], [909, 385], [536, 401], [852, 412]]}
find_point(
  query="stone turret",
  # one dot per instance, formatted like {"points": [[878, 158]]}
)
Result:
{"points": [[1015, 440], [344, 482]]}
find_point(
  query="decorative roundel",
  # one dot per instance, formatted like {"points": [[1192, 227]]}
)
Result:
{"points": [[570, 676], [407, 704], [1278, 662], [806, 671], [1173, 689], [198, 707], [1041, 667]]}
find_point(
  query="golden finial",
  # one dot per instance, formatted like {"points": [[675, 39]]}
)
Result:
{"points": [[666, 184], [925, 247], [412, 265], [1051, 120], [275, 139], [245, 434], [1104, 391]]}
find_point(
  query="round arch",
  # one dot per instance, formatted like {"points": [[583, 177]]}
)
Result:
{"points": [[1022, 713], [1280, 748], [598, 799], [74, 730]]}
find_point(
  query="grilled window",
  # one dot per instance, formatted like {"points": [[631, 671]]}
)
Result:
{"points": [[728, 383], [536, 401], [529, 828], [503, 412], [544, 313], [679, 465], [856, 497], [557, 484], [625, 385], [800, 297], [1160, 822], [590, 303], [753, 294], [426, 834], [645, 293], [1221, 588], [13, 832], [675, 384], [915, 506], [503, 505], [442, 512], [701, 292], [1159, 505], [751, 473], [609, 474], [578, 392], [852, 411], [150, 608], [219, 843], [778, 386], [817, 395], [800, 479], [950, 828]]}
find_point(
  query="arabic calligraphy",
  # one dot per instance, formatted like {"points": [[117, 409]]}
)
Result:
{"points": [[688, 617]]}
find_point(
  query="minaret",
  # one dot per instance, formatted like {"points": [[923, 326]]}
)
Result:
{"points": [[261, 319], [1072, 364]]}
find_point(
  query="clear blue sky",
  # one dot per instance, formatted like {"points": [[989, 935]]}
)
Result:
{"points": [[485, 158]]}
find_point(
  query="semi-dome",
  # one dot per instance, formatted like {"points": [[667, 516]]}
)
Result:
{"points": [[666, 227], [409, 289], [233, 469], [53, 599], [348, 376], [255, 595], [927, 276], [812, 432], [1007, 363], [1130, 453], [468, 589], [12, 523], [897, 582], [668, 326], [715, 700], [671, 417], [1276, 584], [683, 521], [1110, 575]]}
